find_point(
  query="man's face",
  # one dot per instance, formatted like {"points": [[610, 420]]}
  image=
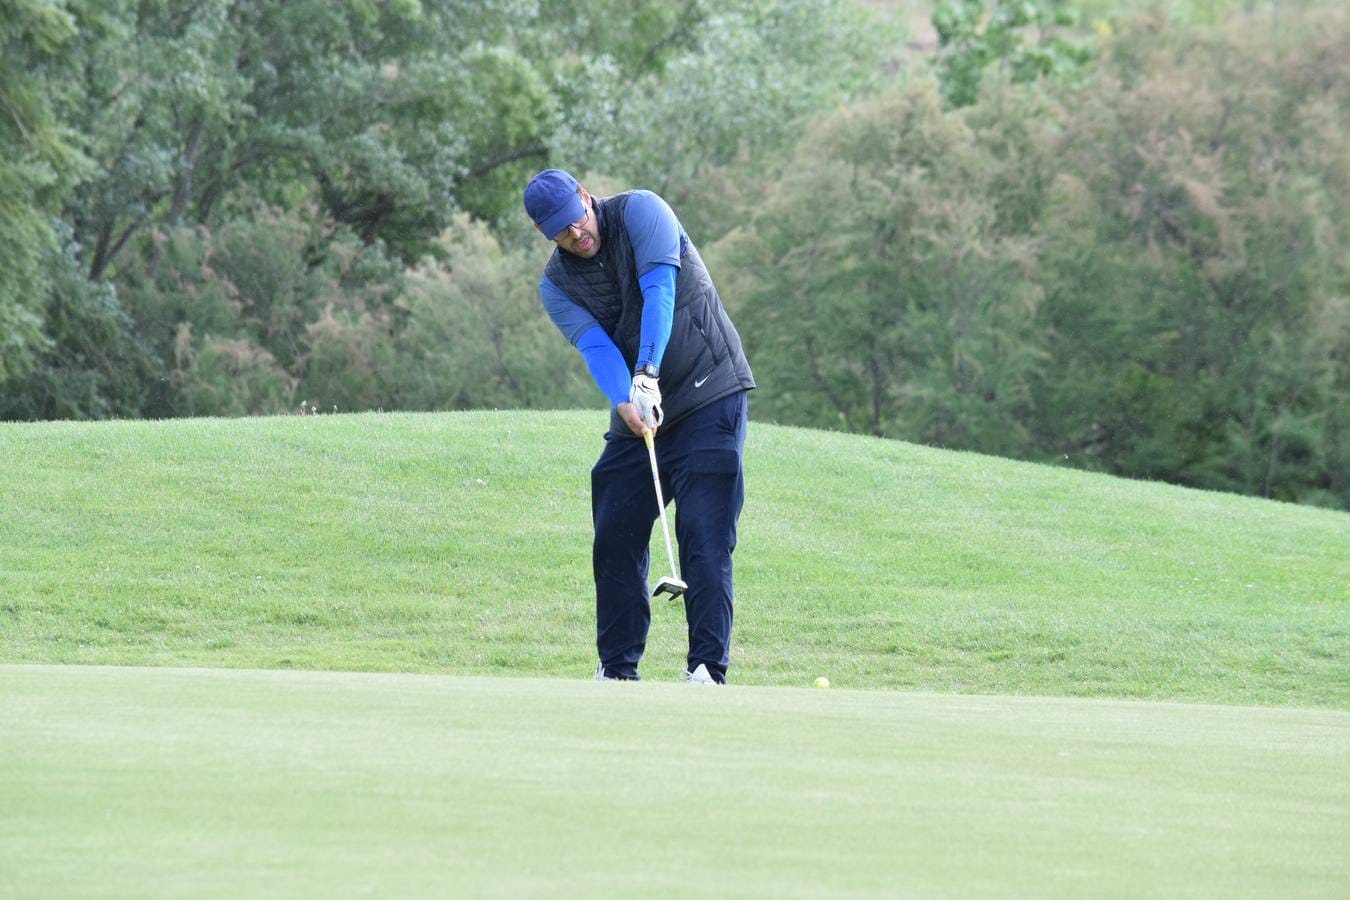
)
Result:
{"points": [[581, 238]]}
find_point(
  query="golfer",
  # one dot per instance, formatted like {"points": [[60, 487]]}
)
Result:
{"points": [[627, 288]]}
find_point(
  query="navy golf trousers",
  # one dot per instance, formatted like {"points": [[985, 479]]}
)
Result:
{"points": [[700, 462]]}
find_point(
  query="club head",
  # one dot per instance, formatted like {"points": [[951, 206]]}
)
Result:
{"points": [[670, 585]]}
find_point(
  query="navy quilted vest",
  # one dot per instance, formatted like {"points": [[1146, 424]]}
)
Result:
{"points": [[703, 361]]}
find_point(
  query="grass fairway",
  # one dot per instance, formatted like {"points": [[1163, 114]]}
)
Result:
{"points": [[175, 783], [460, 543], [432, 574]]}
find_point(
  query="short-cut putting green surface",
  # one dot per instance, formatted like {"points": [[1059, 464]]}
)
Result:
{"points": [[126, 782]]}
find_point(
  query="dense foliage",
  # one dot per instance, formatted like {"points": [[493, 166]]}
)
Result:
{"points": [[1147, 274], [1019, 37], [1064, 235]]}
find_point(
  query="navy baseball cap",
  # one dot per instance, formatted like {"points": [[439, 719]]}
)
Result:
{"points": [[552, 202]]}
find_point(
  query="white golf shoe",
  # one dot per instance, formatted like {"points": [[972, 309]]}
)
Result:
{"points": [[600, 674], [698, 676]]}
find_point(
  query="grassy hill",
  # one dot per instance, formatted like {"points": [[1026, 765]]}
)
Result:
{"points": [[459, 543]]}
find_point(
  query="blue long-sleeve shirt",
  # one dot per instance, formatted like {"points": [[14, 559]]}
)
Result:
{"points": [[656, 236]]}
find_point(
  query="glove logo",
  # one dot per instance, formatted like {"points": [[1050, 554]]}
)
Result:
{"points": [[646, 396]]}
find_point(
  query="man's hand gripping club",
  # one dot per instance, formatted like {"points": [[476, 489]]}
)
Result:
{"points": [[642, 412]]}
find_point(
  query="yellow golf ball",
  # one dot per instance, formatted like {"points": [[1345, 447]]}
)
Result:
{"points": [[822, 682]]}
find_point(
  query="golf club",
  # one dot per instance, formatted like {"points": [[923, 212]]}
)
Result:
{"points": [[672, 584]]}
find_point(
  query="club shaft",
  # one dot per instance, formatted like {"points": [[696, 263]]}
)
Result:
{"points": [[660, 502]]}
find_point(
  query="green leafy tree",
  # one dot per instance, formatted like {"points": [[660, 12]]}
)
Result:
{"points": [[1021, 38], [1141, 274], [877, 290], [373, 121], [40, 158], [1193, 286], [93, 363], [704, 85], [387, 115], [204, 105], [377, 121], [341, 369], [248, 293], [232, 377], [474, 334]]}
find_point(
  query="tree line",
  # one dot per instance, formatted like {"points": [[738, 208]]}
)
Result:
{"points": [[1066, 233]]}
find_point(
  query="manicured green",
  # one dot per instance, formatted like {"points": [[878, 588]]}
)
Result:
{"points": [[181, 783], [459, 543]]}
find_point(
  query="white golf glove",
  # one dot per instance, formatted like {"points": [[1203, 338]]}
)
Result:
{"points": [[646, 396]]}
